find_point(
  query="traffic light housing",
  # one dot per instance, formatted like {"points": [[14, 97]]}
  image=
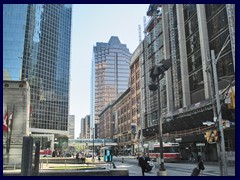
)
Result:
{"points": [[217, 136], [209, 136], [224, 124], [213, 136], [231, 105]]}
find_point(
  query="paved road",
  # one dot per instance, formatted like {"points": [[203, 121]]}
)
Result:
{"points": [[173, 169]]}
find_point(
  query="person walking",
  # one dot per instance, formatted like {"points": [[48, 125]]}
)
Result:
{"points": [[199, 169], [143, 163]]}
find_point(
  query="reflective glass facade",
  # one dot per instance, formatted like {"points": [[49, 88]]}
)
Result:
{"points": [[36, 44], [111, 71]]}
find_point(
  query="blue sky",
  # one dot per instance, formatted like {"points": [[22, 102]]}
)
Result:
{"points": [[93, 23]]}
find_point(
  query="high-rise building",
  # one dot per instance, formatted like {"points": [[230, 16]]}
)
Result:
{"points": [[110, 76], [71, 126], [36, 48], [188, 34], [85, 127]]}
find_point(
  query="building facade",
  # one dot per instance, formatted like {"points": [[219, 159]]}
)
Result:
{"points": [[186, 33], [136, 99], [36, 47], [85, 127], [110, 76], [16, 113], [71, 126], [116, 121]]}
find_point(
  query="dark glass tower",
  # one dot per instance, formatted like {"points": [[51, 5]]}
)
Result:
{"points": [[36, 47]]}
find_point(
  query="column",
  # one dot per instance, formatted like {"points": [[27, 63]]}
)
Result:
{"points": [[204, 45], [169, 87], [183, 56]]}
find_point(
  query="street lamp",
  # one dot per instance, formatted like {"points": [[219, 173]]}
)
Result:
{"points": [[156, 74]]}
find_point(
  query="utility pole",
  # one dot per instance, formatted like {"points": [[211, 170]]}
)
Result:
{"points": [[219, 113], [210, 71]]}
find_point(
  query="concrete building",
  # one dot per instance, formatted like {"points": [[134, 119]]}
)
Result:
{"points": [[71, 126], [116, 120], [85, 127], [136, 99], [110, 76], [36, 47], [16, 112], [186, 34]]}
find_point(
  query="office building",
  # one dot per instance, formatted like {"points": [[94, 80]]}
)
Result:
{"points": [[71, 126], [187, 34], [36, 48], [110, 76]]}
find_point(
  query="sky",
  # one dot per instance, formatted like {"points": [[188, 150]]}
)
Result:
{"points": [[93, 23]]}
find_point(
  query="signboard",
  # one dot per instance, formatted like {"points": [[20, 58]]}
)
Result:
{"points": [[150, 146]]}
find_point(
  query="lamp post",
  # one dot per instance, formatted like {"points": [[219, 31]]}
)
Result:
{"points": [[156, 74], [162, 170]]}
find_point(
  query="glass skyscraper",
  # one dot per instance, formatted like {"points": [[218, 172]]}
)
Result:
{"points": [[110, 75], [36, 48]]}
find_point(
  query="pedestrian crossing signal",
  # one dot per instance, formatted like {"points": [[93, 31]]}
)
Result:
{"points": [[108, 155], [209, 136], [217, 136], [213, 136]]}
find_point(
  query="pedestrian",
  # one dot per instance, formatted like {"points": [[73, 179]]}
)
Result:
{"points": [[143, 163], [83, 159], [53, 154], [199, 169], [200, 165], [77, 156]]}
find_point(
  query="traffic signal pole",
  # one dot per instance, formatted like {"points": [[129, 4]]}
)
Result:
{"points": [[210, 71], [219, 114]]}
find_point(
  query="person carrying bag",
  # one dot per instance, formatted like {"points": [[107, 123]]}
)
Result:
{"points": [[199, 169]]}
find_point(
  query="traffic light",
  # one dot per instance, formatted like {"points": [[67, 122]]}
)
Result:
{"points": [[224, 124], [217, 136], [209, 136], [213, 136], [231, 105]]}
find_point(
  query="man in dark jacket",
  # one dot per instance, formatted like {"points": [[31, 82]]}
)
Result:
{"points": [[143, 163], [199, 169]]}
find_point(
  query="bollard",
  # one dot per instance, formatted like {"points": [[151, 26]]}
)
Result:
{"points": [[27, 149], [122, 160], [36, 159]]}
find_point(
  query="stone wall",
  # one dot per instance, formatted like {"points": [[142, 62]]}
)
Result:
{"points": [[16, 101]]}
